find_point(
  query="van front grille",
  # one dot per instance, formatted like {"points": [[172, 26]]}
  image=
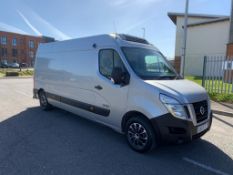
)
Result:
{"points": [[201, 110]]}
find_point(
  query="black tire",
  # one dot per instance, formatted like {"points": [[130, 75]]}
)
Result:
{"points": [[44, 104], [140, 134]]}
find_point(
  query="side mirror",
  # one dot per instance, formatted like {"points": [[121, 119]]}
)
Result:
{"points": [[120, 77]]}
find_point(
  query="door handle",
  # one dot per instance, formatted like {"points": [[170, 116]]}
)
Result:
{"points": [[98, 87]]}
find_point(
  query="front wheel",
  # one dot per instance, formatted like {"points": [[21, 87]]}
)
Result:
{"points": [[44, 104], [140, 134]]}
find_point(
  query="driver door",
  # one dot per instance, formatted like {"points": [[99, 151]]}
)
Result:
{"points": [[109, 95]]}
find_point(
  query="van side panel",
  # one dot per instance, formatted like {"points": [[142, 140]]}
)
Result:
{"points": [[69, 75]]}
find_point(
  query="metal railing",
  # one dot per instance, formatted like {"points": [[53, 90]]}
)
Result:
{"points": [[218, 74]]}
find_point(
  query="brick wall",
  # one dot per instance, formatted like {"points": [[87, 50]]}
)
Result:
{"points": [[177, 63], [228, 74], [230, 50], [25, 54]]}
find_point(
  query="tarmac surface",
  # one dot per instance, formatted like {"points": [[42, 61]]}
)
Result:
{"points": [[33, 141]]}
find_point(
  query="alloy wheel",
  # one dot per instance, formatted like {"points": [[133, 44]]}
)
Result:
{"points": [[137, 136]]}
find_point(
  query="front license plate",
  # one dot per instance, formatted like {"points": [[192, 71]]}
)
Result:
{"points": [[202, 127]]}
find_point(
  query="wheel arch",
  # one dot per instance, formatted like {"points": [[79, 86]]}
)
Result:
{"points": [[130, 114]]}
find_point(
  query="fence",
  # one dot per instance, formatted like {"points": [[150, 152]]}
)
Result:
{"points": [[218, 74]]}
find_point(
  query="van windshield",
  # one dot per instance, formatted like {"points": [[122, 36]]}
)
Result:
{"points": [[149, 64]]}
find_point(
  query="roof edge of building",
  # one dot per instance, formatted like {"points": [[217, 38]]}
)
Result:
{"points": [[209, 21], [173, 16], [26, 34]]}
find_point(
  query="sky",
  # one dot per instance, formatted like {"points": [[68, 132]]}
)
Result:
{"points": [[67, 19]]}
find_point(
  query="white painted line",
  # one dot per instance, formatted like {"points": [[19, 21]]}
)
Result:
{"points": [[23, 93], [209, 168]]}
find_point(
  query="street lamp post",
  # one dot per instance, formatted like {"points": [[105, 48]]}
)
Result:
{"points": [[182, 65]]}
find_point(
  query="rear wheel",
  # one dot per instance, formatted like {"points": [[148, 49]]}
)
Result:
{"points": [[140, 134], [44, 104]]}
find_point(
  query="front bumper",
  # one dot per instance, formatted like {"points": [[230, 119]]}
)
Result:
{"points": [[171, 129]]}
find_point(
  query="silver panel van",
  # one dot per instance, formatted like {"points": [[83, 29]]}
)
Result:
{"points": [[123, 82]]}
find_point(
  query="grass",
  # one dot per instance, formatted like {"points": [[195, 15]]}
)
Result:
{"points": [[216, 95], [197, 80], [221, 97], [23, 73], [26, 73]]}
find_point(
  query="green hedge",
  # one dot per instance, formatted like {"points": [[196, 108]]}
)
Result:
{"points": [[16, 72], [9, 74]]}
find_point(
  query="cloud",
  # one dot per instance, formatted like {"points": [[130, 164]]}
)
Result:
{"points": [[119, 2], [10, 28], [126, 3], [55, 31], [137, 9], [43, 24], [29, 24], [135, 25], [138, 23]]}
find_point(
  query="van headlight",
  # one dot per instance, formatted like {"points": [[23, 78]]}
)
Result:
{"points": [[173, 106]]}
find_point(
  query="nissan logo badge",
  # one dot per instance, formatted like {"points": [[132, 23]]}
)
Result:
{"points": [[202, 110]]}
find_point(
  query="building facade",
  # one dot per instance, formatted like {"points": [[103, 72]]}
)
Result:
{"points": [[207, 36], [20, 48]]}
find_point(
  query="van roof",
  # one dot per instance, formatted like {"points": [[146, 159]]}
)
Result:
{"points": [[87, 43], [131, 38]]}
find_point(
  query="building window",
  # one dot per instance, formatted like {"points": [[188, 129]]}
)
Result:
{"points": [[4, 40], [31, 54], [31, 44], [14, 42], [14, 52], [4, 52]]}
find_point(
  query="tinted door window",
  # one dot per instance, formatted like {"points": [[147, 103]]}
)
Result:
{"points": [[108, 59]]}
